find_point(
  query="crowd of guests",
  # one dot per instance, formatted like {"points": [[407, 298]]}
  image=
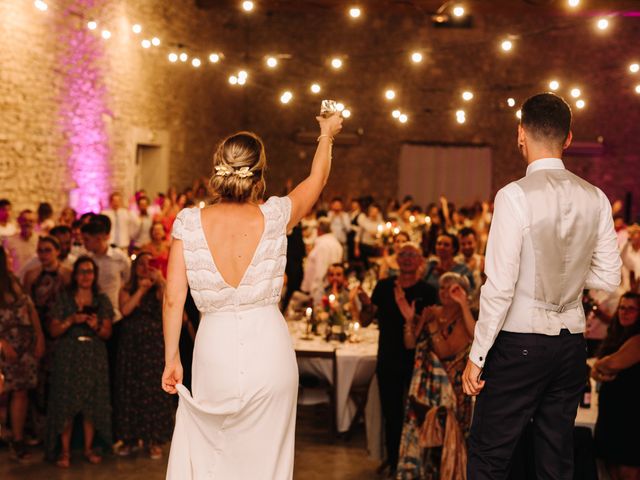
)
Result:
{"points": [[418, 275], [81, 350]]}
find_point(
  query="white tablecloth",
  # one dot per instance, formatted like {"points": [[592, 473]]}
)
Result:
{"points": [[356, 365]]}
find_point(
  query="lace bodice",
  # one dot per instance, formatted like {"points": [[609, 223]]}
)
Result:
{"points": [[262, 282]]}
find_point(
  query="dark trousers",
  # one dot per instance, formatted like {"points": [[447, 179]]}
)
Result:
{"points": [[528, 377], [393, 387]]}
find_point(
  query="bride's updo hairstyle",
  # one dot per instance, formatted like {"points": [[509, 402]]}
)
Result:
{"points": [[238, 169]]}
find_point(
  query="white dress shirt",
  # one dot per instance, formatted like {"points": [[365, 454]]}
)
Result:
{"points": [[113, 272], [551, 236], [123, 226], [326, 251]]}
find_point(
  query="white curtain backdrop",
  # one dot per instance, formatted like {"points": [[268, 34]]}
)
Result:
{"points": [[461, 173]]}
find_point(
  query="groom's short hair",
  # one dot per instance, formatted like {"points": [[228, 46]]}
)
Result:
{"points": [[547, 117]]}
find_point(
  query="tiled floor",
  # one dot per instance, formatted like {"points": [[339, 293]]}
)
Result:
{"points": [[316, 459]]}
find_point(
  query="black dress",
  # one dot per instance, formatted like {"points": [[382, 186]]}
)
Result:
{"points": [[395, 363], [616, 435]]}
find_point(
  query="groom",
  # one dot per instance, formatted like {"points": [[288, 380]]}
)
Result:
{"points": [[551, 236]]}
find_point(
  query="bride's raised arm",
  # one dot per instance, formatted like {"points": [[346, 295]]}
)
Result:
{"points": [[306, 194]]}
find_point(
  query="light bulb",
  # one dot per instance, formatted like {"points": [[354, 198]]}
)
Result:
{"points": [[573, 3], [580, 104], [390, 94], [637, 88], [355, 12], [511, 102], [603, 24], [155, 41], [506, 45], [173, 57], [458, 11], [286, 97], [416, 57], [346, 113], [575, 92], [466, 96], [340, 106], [196, 62], [461, 119], [247, 6], [92, 25], [272, 62], [242, 80], [184, 57], [396, 114], [214, 58], [403, 118], [145, 43], [336, 63], [634, 68], [460, 113], [233, 80], [40, 5], [315, 88], [554, 85], [137, 28], [106, 34], [242, 74]]}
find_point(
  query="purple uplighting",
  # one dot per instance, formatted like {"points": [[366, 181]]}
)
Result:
{"points": [[83, 105]]}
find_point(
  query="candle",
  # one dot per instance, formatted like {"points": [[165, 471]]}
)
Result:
{"points": [[388, 225], [332, 298], [309, 312], [356, 326], [380, 227], [412, 218]]}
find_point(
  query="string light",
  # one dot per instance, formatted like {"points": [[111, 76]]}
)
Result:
{"points": [[214, 58], [416, 57], [155, 41], [346, 113], [242, 74], [638, 88], [286, 97], [573, 3], [196, 62], [390, 94], [634, 68], [396, 114], [340, 106], [272, 62], [506, 45], [461, 116], [247, 6], [355, 12], [184, 57], [106, 34], [403, 118], [603, 24], [242, 80], [511, 102], [92, 25], [315, 88], [336, 63], [173, 57], [467, 95], [137, 28], [580, 104], [458, 11], [575, 92], [519, 114], [554, 85], [40, 5], [145, 43], [233, 80]]}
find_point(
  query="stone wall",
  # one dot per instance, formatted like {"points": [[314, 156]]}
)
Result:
{"points": [[198, 106]]}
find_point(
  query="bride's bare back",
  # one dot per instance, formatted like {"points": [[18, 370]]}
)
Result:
{"points": [[233, 232]]}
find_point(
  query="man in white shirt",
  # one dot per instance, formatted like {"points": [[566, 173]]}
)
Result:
{"points": [[123, 222], [552, 234], [21, 247], [143, 222], [326, 251], [631, 258]]}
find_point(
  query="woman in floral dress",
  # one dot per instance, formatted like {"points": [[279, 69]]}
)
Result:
{"points": [[143, 411], [81, 321]]}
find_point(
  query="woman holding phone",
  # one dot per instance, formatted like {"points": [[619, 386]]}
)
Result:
{"points": [[81, 321]]}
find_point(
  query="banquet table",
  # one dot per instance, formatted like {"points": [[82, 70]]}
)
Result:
{"points": [[356, 365]]}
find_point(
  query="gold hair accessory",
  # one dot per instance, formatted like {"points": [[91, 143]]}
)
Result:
{"points": [[225, 171]]}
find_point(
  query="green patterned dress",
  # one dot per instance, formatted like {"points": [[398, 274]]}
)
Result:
{"points": [[80, 376]]}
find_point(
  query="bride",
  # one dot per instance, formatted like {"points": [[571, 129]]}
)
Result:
{"points": [[239, 420]]}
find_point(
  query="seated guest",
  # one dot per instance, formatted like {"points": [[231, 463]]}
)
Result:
{"points": [[158, 247], [326, 251], [395, 361], [336, 285], [81, 321], [438, 413], [389, 265], [618, 368], [142, 410], [21, 346], [447, 247]]}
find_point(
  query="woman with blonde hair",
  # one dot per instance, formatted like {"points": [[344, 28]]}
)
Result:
{"points": [[239, 419]]}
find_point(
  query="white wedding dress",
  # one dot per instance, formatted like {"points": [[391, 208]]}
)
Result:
{"points": [[239, 421]]}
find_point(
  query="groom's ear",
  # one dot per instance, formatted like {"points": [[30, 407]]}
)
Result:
{"points": [[567, 142], [521, 136]]}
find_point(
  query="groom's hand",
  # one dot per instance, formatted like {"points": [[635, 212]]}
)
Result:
{"points": [[471, 383]]}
